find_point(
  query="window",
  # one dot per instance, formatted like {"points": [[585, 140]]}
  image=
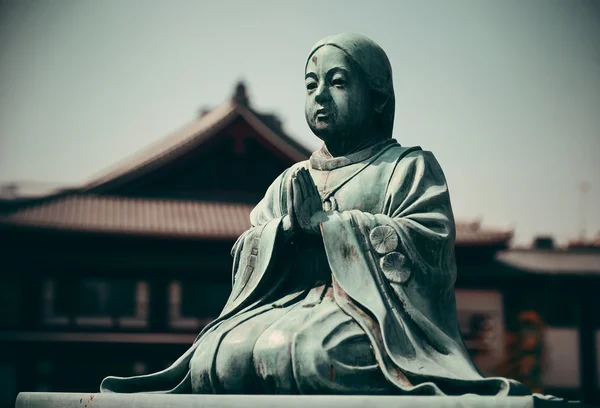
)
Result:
{"points": [[93, 302], [55, 309], [481, 321], [562, 358], [195, 304], [10, 299], [139, 318]]}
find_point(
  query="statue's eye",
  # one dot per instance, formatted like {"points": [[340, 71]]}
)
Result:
{"points": [[338, 82], [310, 86]]}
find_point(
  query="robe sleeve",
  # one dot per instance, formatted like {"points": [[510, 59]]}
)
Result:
{"points": [[417, 208], [254, 250], [397, 264], [253, 254]]}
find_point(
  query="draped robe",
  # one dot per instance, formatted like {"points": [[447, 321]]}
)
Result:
{"points": [[389, 244]]}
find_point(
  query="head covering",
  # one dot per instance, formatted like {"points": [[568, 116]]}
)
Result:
{"points": [[375, 65]]}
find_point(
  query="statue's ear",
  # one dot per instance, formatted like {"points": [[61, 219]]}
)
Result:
{"points": [[379, 101]]}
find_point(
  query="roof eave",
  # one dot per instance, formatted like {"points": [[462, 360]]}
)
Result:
{"points": [[221, 116]]}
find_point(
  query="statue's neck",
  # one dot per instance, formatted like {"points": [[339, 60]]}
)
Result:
{"points": [[345, 147]]}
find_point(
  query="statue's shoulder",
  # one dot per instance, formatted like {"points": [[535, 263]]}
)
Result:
{"points": [[290, 170], [411, 158], [397, 152], [303, 163], [287, 173]]}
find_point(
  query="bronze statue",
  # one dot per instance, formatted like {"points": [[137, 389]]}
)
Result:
{"points": [[344, 284]]}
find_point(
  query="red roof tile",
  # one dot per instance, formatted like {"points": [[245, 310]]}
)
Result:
{"points": [[213, 220], [161, 217]]}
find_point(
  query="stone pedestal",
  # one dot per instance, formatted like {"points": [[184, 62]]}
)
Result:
{"points": [[76, 400]]}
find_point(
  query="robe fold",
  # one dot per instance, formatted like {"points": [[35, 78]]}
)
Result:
{"points": [[389, 238]]}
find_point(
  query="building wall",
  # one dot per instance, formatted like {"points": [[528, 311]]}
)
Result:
{"points": [[481, 318], [562, 369]]}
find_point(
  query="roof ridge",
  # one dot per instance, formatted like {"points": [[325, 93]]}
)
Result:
{"points": [[142, 199], [164, 146], [192, 134]]}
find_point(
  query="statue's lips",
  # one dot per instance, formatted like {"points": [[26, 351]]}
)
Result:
{"points": [[322, 114]]}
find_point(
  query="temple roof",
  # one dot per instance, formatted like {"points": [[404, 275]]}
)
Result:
{"points": [[553, 261], [96, 213], [197, 132], [467, 234], [182, 218]]}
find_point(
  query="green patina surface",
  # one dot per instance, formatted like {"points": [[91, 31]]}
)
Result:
{"points": [[344, 284]]}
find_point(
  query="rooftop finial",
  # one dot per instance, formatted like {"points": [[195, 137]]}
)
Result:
{"points": [[240, 95]]}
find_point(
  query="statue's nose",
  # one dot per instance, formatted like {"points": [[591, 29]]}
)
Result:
{"points": [[322, 94]]}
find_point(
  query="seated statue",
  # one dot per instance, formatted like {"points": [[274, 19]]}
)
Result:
{"points": [[344, 284]]}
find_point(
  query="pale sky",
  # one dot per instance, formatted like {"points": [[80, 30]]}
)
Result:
{"points": [[505, 93]]}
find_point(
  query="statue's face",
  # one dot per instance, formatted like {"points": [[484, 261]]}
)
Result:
{"points": [[338, 100]]}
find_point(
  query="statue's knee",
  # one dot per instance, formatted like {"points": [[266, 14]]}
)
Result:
{"points": [[309, 354], [200, 366], [233, 364], [271, 352]]}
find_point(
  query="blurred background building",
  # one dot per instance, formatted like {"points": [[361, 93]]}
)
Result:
{"points": [[119, 275]]}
